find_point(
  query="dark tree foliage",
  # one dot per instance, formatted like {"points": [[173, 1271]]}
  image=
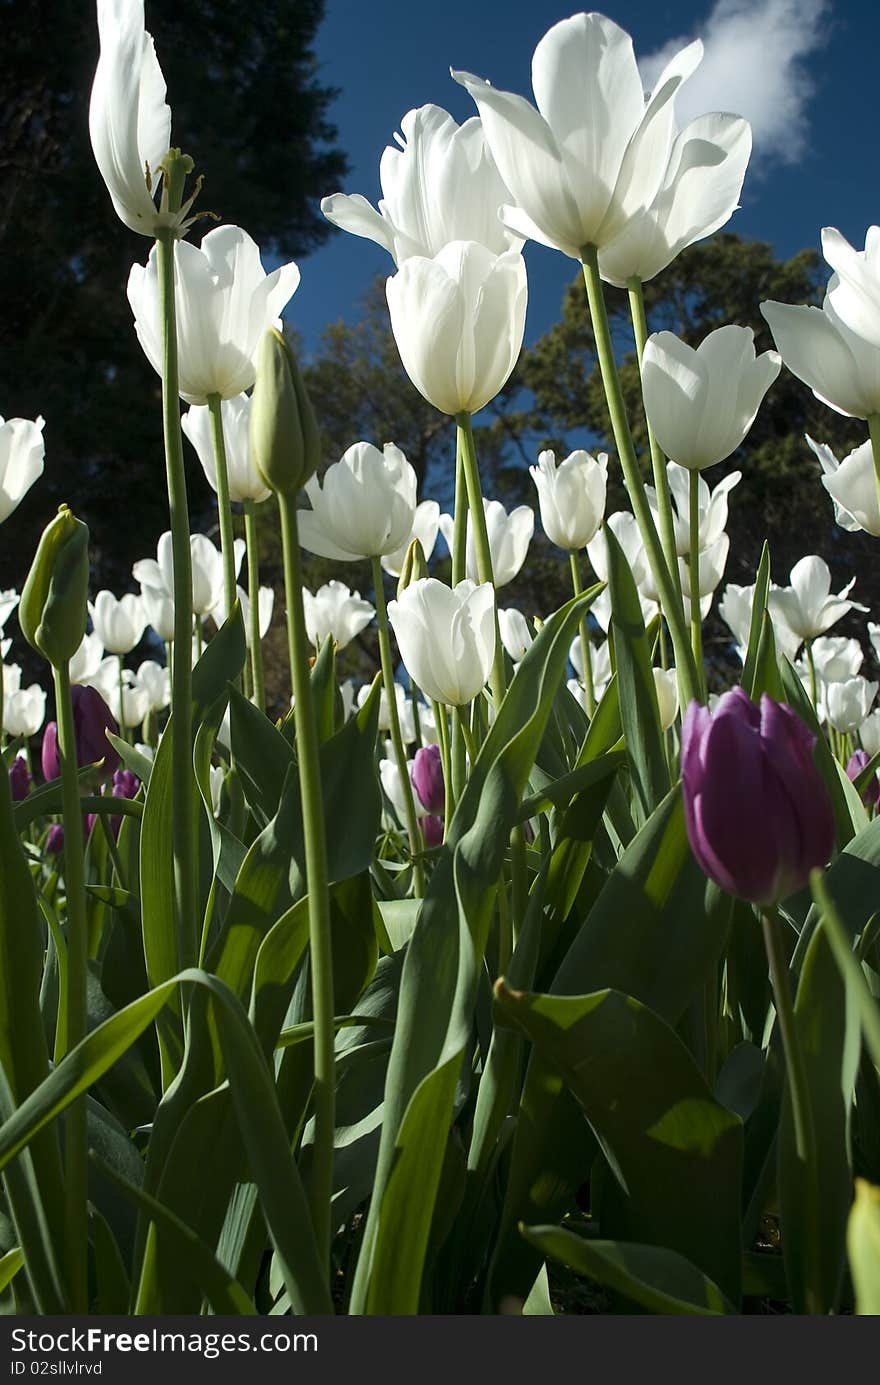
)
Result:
{"points": [[248, 104]]}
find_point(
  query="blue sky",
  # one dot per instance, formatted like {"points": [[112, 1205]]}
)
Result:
{"points": [[803, 71]]}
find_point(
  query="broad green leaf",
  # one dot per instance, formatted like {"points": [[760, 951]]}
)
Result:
{"points": [[661, 1280], [796, 696], [756, 624], [863, 1245], [10, 1264]]}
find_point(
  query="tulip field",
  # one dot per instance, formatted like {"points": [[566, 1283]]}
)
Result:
{"points": [[541, 974]]}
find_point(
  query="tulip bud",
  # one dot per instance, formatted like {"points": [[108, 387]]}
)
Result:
{"points": [[55, 839], [856, 763], [125, 785], [758, 815], [19, 779], [414, 567], [432, 828], [91, 719], [54, 602], [284, 439], [427, 778]]}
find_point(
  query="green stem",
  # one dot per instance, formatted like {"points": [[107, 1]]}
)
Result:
{"points": [[689, 684], [849, 965], [468, 453], [182, 801], [467, 733], [321, 953], [409, 807], [799, 1096], [76, 1135], [694, 575], [224, 504], [586, 651], [446, 760], [459, 532], [808, 647], [122, 728], [874, 434], [658, 460], [253, 562]]}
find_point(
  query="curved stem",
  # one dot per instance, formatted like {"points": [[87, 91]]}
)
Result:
{"points": [[658, 460], [224, 505], [694, 575], [182, 800], [76, 1136], [799, 1095], [586, 648], [689, 686], [253, 562], [320, 944], [409, 807]]}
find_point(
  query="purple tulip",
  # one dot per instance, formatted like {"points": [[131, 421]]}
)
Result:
{"points": [[125, 785], [432, 828], [19, 779], [758, 814], [91, 718], [427, 778], [55, 839], [855, 764]]}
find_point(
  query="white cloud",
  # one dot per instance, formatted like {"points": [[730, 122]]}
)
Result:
{"points": [[754, 66]]}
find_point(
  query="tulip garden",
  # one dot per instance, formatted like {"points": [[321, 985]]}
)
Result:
{"points": [[540, 975]]}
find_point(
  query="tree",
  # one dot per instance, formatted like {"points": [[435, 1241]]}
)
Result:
{"points": [[247, 104]]}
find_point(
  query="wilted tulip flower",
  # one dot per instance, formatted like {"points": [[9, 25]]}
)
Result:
{"points": [[245, 482], [702, 403], [335, 611], [425, 528], [509, 537], [446, 637], [24, 710], [859, 760], [847, 704], [839, 366], [22, 453], [426, 774], [118, 624], [807, 606], [87, 659], [225, 302], [855, 296], [91, 719], [595, 157], [440, 185], [571, 496], [19, 779], [712, 507], [365, 506], [515, 633], [758, 815], [458, 320], [129, 122]]}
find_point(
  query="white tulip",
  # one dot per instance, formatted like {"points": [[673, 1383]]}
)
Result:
{"points": [[869, 732], [600, 661], [847, 704], [874, 636], [404, 710], [515, 633], [11, 678], [363, 507], [458, 320], [830, 465], [666, 687], [118, 624], [156, 576], [571, 496], [225, 304], [155, 680], [106, 679], [836, 658], [24, 710], [245, 482], [85, 662], [446, 637], [265, 607], [807, 606], [596, 158], [736, 610], [425, 527], [389, 775], [8, 603], [840, 367], [712, 563], [852, 485], [509, 537], [217, 777], [335, 611], [711, 506], [440, 185], [702, 403], [22, 453], [855, 295], [628, 535], [159, 608]]}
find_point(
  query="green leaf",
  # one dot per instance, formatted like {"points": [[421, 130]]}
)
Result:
{"points": [[796, 696], [10, 1264], [756, 625], [675, 1152], [863, 1244], [638, 695], [658, 1279]]}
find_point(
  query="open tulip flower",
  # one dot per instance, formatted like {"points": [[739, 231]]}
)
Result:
{"points": [[155, 680], [363, 506], [597, 164], [225, 303], [571, 496], [830, 464], [855, 295], [713, 561], [701, 404], [440, 185], [712, 507], [509, 537], [156, 576], [839, 366], [22, 453], [404, 710], [458, 320], [446, 637], [807, 606], [85, 662], [245, 482], [852, 485], [336, 612]]}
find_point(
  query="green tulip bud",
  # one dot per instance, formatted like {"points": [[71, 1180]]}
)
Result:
{"points": [[284, 439], [414, 566], [53, 609]]}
